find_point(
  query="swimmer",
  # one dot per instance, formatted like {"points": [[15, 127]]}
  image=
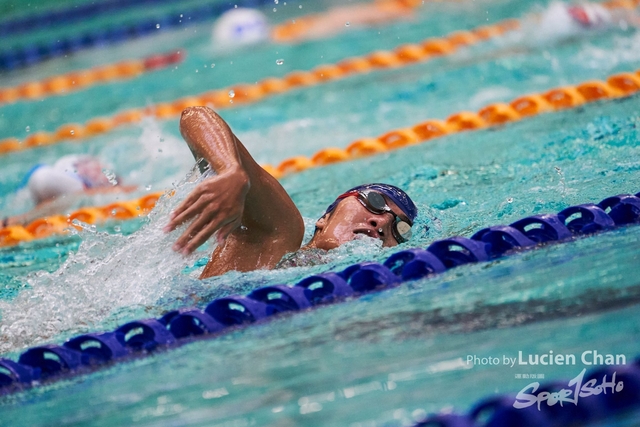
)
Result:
{"points": [[256, 221], [561, 21], [53, 188], [238, 28], [340, 18]]}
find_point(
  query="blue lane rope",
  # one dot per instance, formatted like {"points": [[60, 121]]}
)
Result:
{"points": [[135, 339], [19, 57], [63, 16]]}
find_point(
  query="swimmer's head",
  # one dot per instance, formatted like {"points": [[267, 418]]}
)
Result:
{"points": [[240, 27], [70, 174], [47, 183], [380, 211]]}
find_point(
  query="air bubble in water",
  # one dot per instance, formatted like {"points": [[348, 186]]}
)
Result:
{"points": [[346, 24], [117, 228], [232, 93], [157, 25], [275, 1], [28, 128], [275, 10], [509, 199], [72, 131], [148, 187], [279, 61]]}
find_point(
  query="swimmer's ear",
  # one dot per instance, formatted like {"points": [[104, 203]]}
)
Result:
{"points": [[321, 223]]}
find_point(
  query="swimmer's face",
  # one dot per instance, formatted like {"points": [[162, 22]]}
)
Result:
{"points": [[91, 169], [350, 220]]}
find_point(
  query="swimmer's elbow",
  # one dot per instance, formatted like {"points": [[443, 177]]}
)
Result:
{"points": [[199, 115], [195, 112]]}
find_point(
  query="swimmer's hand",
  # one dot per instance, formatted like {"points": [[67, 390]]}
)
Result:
{"points": [[216, 204]]}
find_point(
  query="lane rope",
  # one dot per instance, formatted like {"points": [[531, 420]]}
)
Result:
{"points": [[87, 352], [244, 94], [494, 115], [63, 16], [24, 56], [82, 79], [60, 224]]}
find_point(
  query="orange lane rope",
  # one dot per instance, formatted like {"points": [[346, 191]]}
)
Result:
{"points": [[61, 224], [243, 94], [616, 86], [81, 79]]}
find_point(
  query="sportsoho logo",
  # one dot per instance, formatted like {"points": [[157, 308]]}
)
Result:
{"points": [[577, 388]]}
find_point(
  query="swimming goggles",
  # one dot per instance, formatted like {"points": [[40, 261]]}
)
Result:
{"points": [[375, 203]]}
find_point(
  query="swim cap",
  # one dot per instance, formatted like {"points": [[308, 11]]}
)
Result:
{"points": [[70, 174], [46, 183], [240, 27], [393, 193]]}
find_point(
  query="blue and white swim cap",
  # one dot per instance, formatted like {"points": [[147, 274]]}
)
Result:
{"points": [[49, 182], [393, 193], [240, 27]]}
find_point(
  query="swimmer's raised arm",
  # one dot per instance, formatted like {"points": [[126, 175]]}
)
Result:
{"points": [[256, 220]]}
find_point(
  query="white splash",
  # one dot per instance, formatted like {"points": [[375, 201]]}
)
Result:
{"points": [[109, 276]]}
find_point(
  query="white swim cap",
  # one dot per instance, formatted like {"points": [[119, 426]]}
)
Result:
{"points": [[47, 183], [557, 24], [240, 27]]}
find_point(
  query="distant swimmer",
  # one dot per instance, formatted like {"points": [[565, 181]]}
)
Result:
{"points": [[562, 21], [239, 27], [52, 188], [256, 221], [339, 19]]}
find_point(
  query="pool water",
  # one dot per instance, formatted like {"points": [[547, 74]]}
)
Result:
{"points": [[385, 359]]}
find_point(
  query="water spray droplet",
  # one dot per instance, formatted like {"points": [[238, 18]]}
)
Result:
{"points": [[110, 176]]}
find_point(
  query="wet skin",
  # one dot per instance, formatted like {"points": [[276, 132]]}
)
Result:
{"points": [[255, 221]]}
